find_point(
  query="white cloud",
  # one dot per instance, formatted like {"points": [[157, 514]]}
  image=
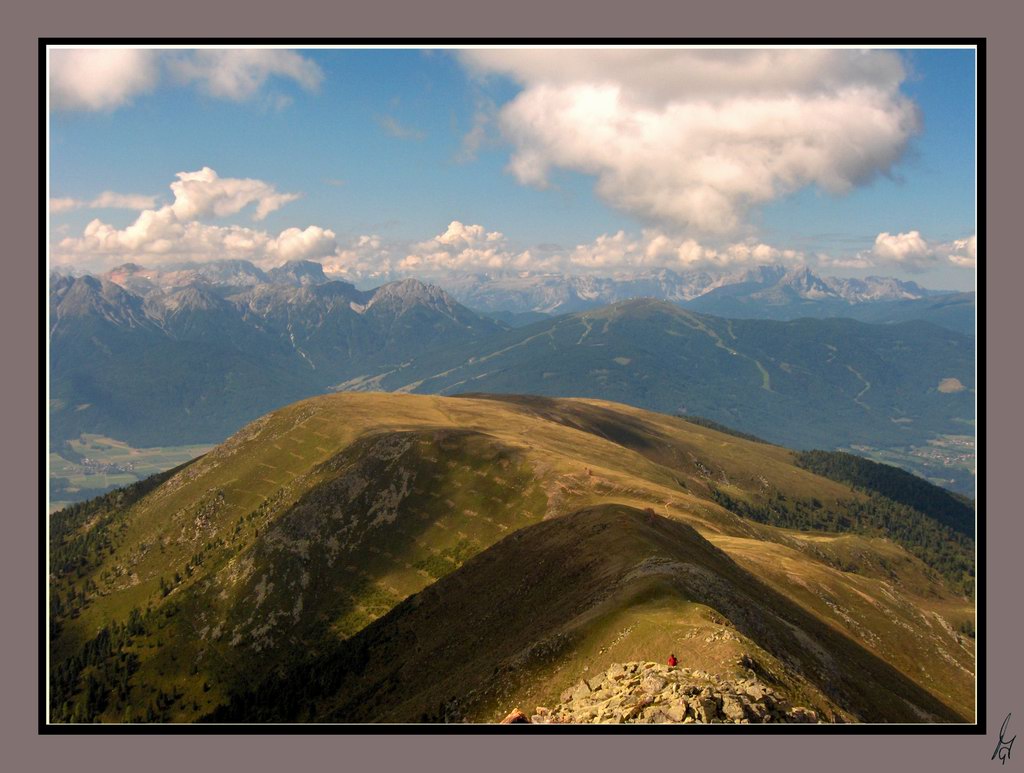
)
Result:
{"points": [[205, 193], [174, 231], [238, 74], [157, 237], [909, 251], [695, 138], [109, 78], [366, 256], [656, 249], [467, 235], [100, 78], [963, 252], [472, 248], [463, 248], [303, 244]]}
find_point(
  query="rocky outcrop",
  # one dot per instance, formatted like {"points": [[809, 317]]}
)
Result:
{"points": [[649, 693]]}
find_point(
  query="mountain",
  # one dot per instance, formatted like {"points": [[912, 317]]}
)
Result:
{"points": [[121, 370], [803, 294], [298, 273], [565, 293], [764, 292], [955, 311], [374, 557], [806, 383], [191, 364], [226, 275]]}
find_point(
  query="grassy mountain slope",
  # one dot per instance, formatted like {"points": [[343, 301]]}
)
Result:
{"points": [[527, 614], [321, 517]]}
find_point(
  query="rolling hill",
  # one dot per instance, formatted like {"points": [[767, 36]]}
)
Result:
{"points": [[396, 557]]}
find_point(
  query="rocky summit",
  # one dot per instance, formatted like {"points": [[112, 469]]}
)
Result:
{"points": [[649, 693]]}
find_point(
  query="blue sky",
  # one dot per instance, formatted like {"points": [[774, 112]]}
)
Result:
{"points": [[380, 148]]}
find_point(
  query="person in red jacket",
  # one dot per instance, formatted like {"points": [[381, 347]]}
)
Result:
{"points": [[672, 660]]}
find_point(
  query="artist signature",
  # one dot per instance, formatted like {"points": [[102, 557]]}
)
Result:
{"points": [[1004, 747]]}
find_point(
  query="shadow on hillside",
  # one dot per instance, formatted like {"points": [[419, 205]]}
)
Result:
{"points": [[457, 642]]}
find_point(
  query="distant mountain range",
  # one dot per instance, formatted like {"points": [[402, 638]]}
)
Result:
{"points": [[770, 292], [192, 362], [188, 354], [765, 292]]}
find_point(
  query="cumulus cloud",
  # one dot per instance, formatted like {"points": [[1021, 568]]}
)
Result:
{"points": [[109, 78], [157, 237], [205, 193], [694, 138], [909, 251], [458, 234], [100, 78], [463, 247], [302, 244], [175, 231], [365, 256], [472, 248], [656, 249], [963, 252]]}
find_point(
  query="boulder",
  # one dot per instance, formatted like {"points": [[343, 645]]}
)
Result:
{"points": [[732, 707], [707, 709], [677, 712], [582, 690], [616, 671], [649, 693], [803, 714], [755, 691], [516, 717], [653, 684]]}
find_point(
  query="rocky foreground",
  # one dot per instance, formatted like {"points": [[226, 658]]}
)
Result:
{"points": [[649, 693]]}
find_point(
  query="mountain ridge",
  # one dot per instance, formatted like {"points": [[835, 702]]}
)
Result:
{"points": [[320, 518]]}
